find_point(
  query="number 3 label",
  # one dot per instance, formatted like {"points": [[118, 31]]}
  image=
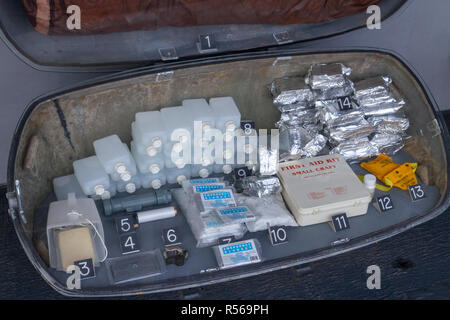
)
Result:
{"points": [[87, 269]]}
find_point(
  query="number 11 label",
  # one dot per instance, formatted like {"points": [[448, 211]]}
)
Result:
{"points": [[340, 222]]}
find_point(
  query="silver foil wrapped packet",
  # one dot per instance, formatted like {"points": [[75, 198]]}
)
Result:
{"points": [[382, 108], [291, 90], [256, 186], [331, 113], [372, 86], [349, 132], [326, 76], [388, 143], [356, 149], [297, 141], [390, 124]]}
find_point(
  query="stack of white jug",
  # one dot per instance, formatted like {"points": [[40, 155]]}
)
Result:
{"points": [[160, 140], [172, 129]]}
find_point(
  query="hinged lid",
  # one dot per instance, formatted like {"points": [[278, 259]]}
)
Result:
{"points": [[85, 35]]}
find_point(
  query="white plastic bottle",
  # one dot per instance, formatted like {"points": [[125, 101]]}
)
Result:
{"points": [[145, 163], [91, 176], [64, 185], [129, 173], [129, 186], [200, 111], [228, 117], [370, 181], [175, 175], [154, 181], [113, 155], [179, 125], [198, 170], [149, 132], [109, 192]]}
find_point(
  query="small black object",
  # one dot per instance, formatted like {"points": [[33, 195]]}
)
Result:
{"points": [[226, 240], [277, 235], [126, 224], [248, 127], [171, 236], [206, 43], [129, 243], [87, 269], [339, 222], [384, 203], [344, 103], [175, 255], [416, 192]]}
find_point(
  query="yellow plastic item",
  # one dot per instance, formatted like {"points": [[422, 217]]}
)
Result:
{"points": [[391, 173]]}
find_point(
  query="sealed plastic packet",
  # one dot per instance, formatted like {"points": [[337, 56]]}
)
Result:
{"points": [[238, 253]]}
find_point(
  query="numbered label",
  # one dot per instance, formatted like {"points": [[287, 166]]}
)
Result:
{"points": [[206, 43], [226, 240], [384, 203], [240, 173], [248, 126], [277, 235], [129, 243], [87, 269], [344, 103], [416, 192], [126, 224], [340, 222], [171, 236]]}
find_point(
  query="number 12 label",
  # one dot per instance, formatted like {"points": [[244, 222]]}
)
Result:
{"points": [[384, 203]]}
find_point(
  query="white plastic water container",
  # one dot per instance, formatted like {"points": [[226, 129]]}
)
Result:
{"points": [[109, 192], [130, 172], [113, 155], [149, 132], [317, 188], [145, 163], [154, 181], [64, 185], [200, 111], [228, 117], [198, 170], [129, 186], [91, 176], [175, 175], [178, 123]]}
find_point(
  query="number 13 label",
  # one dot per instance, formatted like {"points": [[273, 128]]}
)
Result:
{"points": [[416, 192]]}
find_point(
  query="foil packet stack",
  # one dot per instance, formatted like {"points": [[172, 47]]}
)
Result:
{"points": [[356, 149], [290, 91], [331, 114], [351, 131], [329, 81], [375, 97]]}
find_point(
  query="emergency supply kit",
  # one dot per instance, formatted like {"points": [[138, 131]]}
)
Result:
{"points": [[183, 174]]}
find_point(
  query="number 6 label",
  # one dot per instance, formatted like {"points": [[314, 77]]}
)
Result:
{"points": [[171, 236]]}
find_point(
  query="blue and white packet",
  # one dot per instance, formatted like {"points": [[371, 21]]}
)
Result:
{"points": [[238, 253], [211, 200], [240, 214]]}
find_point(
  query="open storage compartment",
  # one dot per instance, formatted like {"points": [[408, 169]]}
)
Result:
{"points": [[59, 128]]}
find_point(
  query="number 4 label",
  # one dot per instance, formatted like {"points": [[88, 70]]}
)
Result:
{"points": [[416, 192], [340, 222], [129, 243]]}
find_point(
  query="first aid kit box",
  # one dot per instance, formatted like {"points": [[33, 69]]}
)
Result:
{"points": [[317, 188]]}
